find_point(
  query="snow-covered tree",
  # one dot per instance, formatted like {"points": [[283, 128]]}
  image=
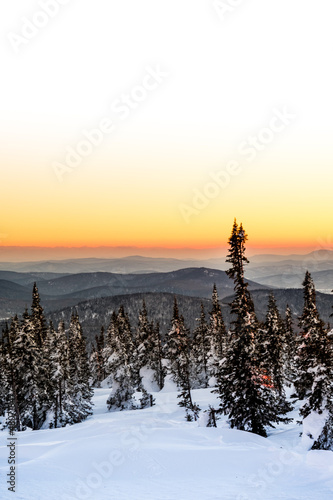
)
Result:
{"points": [[200, 350], [216, 334], [11, 376], [38, 318], [311, 331], [289, 347], [31, 375], [120, 362], [156, 356], [143, 343], [77, 403], [178, 355], [269, 347], [320, 397], [4, 373], [61, 388], [248, 401], [96, 360], [177, 346]]}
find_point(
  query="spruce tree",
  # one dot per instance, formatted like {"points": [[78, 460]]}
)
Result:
{"points": [[120, 363], [4, 374], [148, 352], [31, 375], [216, 334], [246, 399], [311, 330], [200, 351], [289, 347], [156, 356], [38, 318], [96, 360], [320, 397], [269, 348], [143, 341], [78, 391], [178, 355], [61, 389], [177, 346], [12, 378]]}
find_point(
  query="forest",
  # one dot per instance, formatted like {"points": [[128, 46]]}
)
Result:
{"points": [[47, 375]]}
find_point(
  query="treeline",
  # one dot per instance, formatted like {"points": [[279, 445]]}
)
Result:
{"points": [[44, 372]]}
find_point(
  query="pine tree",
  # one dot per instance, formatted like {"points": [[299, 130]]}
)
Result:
{"points": [[12, 379], [177, 346], [216, 334], [289, 346], [77, 403], [178, 355], [96, 360], [148, 351], [38, 318], [56, 347], [143, 339], [4, 374], [120, 363], [156, 358], [269, 347], [246, 399], [312, 329], [200, 350], [31, 376], [325, 439], [320, 397]]}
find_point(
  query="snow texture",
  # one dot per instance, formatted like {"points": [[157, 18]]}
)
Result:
{"points": [[154, 454]]}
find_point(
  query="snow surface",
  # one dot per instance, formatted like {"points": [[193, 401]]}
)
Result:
{"points": [[154, 454]]}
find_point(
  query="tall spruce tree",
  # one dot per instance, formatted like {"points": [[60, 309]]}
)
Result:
{"points": [[200, 351], [79, 393], [156, 359], [143, 341], [96, 360], [249, 402], [148, 353], [216, 334], [311, 330], [4, 374], [270, 348], [37, 316], [56, 348], [31, 375], [178, 355], [289, 346], [12, 378], [120, 362]]}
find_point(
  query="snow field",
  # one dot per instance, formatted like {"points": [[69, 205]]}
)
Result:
{"points": [[154, 454]]}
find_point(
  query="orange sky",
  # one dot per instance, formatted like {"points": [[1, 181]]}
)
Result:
{"points": [[196, 130]]}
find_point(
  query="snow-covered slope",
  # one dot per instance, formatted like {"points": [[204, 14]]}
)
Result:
{"points": [[154, 454]]}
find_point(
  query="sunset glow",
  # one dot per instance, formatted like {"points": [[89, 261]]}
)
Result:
{"points": [[178, 115]]}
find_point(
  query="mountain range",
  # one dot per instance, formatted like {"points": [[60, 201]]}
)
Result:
{"points": [[195, 282]]}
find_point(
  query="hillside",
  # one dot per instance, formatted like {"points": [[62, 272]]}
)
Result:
{"points": [[154, 454], [97, 312], [74, 288]]}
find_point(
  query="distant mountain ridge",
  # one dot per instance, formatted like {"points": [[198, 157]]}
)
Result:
{"points": [[195, 282]]}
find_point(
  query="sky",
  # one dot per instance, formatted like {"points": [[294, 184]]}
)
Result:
{"points": [[155, 123]]}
